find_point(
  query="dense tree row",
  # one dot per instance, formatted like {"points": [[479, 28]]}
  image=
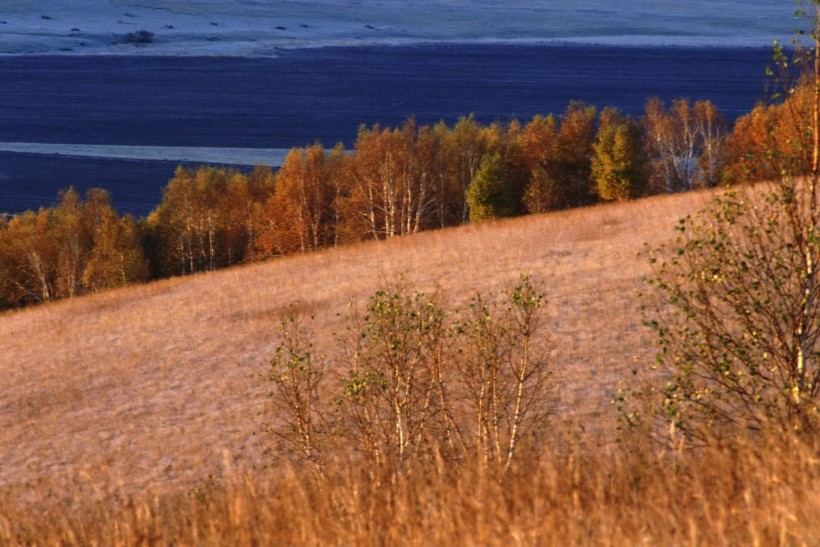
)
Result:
{"points": [[209, 218], [395, 181], [71, 249]]}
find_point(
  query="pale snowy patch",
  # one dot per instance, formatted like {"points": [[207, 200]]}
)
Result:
{"points": [[229, 156], [261, 27]]}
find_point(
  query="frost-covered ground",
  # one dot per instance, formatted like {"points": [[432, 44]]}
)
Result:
{"points": [[259, 27], [187, 154]]}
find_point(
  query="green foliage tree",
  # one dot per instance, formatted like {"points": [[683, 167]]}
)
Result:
{"points": [[616, 161], [490, 196]]}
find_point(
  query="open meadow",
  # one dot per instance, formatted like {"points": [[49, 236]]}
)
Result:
{"points": [[137, 413], [384, 350]]}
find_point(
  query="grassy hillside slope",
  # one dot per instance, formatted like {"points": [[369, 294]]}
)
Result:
{"points": [[148, 386]]}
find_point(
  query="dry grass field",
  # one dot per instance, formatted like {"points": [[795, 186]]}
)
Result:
{"points": [[157, 388]]}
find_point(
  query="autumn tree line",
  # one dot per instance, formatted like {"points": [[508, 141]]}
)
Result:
{"points": [[395, 181]]}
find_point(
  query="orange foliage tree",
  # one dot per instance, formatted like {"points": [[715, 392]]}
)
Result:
{"points": [[301, 214], [393, 188], [68, 250], [575, 138], [206, 220]]}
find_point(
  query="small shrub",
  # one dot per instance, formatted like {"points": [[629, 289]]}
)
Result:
{"points": [[415, 384], [736, 317], [140, 37]]}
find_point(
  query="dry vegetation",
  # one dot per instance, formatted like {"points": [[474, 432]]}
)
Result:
{"points": [[133, 415], [723, 496]]}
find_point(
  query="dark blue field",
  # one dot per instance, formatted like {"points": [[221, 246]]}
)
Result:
{"points": [[319, 94]]}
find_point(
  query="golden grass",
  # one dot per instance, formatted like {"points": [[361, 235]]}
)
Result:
{"points": [[725, 495], [148, 388]]}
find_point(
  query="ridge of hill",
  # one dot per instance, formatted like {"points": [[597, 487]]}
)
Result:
{"points": [[150, 386]]}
